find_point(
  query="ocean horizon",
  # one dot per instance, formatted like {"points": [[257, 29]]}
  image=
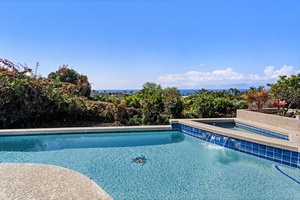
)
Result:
{"points": [[182, 91]]}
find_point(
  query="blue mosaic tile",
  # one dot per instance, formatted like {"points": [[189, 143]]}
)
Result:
{"points": [[263, 132], [255, 150], [277, 156], [294, 160], [277, 150], [286, 158], [269, 158], [270, 154], [262, 156], [295, 154], [294, 165], [254, 153], [277, 160], [286, 152], [283, 156], [270, 148], [262, 151], [248, 148], [286, 163]]}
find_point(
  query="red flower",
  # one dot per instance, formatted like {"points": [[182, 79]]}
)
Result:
{"points": [[10, 73], [46, 83], [2, 69], [65, 90], [63, 68]]}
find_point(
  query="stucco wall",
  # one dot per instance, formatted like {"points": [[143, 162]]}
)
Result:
{"points": [[269, 119]]}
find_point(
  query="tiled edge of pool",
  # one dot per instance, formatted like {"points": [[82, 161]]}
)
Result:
{"points": [[261, 131], [283, 156]]}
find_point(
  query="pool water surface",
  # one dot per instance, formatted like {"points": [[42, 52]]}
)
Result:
{"points": [[177, 166]]}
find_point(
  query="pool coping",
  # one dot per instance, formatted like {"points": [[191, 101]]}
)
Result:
{"points": [[80, 130], [40, 181], [293, 144]]}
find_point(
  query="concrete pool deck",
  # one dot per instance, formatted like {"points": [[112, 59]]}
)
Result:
{"points": [[37, 181]]}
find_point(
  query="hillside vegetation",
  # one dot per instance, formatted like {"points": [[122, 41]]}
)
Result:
{"points": [[65, 98]]}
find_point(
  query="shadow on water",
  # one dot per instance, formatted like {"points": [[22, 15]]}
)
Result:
{"points": [[75, 141]]}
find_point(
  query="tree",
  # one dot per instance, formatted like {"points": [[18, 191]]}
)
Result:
{"points": [[82, 87], [287, 89], [173, 102]]}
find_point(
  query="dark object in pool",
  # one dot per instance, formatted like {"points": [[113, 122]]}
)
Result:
{"points": [[140, 160]]}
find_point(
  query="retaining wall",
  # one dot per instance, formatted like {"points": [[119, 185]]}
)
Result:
{"points": [[287, 123]]}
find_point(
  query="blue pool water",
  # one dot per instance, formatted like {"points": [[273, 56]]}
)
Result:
{"points": [[177, 167]]}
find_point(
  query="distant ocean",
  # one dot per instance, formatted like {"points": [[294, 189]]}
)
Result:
{"points": [[182, 91]]}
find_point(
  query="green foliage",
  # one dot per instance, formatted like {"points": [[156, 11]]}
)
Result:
{"points": [[30, 101], [173, 102], [288, 89], [81, 86], [205, 104], [208, 106]]}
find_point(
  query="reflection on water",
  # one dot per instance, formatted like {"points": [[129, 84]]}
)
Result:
{"points": [[71, 141]]}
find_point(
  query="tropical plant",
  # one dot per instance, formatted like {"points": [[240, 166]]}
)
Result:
{"points": [[250, 97], [287, 89], [262, 96]]}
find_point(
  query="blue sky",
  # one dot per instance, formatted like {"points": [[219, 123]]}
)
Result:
{"points": [[189, 44]]}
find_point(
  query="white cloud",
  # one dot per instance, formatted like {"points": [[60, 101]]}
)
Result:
{"points": [[285, 70], [224, 78]]}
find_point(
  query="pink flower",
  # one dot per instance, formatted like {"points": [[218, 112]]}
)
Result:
{"points": [[7, 62], [278, 103]]}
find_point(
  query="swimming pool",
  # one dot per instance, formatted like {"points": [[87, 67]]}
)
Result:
{"points": [[178, 166]]}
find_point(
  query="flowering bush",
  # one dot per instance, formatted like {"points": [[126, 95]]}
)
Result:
{"points": [[28, 101], [81, 85]]}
